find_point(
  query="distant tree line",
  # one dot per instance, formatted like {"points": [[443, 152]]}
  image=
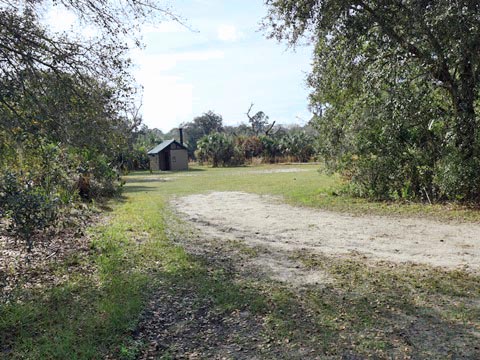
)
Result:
{"points": [[209, 141], [259, 139]]}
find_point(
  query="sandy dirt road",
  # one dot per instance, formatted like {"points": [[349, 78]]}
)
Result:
{"points": [[334, 286], [267, 222]]}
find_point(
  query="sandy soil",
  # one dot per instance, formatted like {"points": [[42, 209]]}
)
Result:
{"points": [[266, 222]]}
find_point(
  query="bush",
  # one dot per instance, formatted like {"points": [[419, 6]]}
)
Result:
{"points": [[298, 146], [27, 207], [271, 148], [457, 178], [250, 146], [96, 177], [43, 183], [219, 149]]}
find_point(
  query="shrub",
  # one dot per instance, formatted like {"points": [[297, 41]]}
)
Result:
{"points": [[96, 177], [298, 146], [271, 148], [27, 207], [250, 146], [458, 178], [219, 149]]}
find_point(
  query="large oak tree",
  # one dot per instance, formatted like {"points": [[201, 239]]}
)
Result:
{"points": [[439, 40]]}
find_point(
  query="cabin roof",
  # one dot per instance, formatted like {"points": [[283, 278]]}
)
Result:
{"points": [[162, 146]]}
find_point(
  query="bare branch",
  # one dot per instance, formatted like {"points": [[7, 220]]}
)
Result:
{"points": [[248, 112], [270, 128]]}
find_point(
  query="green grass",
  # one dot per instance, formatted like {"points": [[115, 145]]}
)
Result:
{"points": [[311, 187], [92, 314], [84, 316]]}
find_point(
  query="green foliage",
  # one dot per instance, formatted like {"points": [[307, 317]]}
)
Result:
{"points": [[219, 149], [258, 122], [371, 130], [100, 179], [66, 107], [458, 178], [27, 207], [251, 146], [271, 148], [61, 147], [40, 187], [236, 145], [222, 149], [298, 146], [203, 125], [134, 155], [395, 92]]}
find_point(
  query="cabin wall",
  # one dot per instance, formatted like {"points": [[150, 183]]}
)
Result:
{"points": [[154, 163], [179, 159]]}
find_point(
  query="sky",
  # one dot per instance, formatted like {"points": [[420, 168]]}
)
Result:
{"points": [[220, 62]]}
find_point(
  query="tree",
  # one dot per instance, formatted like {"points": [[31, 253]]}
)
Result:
{"points": [[206, 124], [373, 132], [438, 41], [69, 90], [259, 122], [134, 156], [209, 122], [271, 148], [298, 146], [238, 130], [66, 107], [28, 49], [251, 146]]}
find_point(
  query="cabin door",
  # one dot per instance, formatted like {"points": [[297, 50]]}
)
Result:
{"points": [[167, 160]]}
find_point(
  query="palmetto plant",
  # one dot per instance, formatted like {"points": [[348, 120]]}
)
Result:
{"points": [[217, 148]]}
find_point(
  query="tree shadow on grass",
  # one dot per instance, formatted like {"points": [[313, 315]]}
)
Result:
{"points": [[202, 305], [270, 319], [77, 319], [137, 188]]}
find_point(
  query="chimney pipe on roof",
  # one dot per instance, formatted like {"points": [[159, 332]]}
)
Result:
{"points": [[181, 135]]}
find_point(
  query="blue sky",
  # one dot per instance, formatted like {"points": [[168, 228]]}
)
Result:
{"points": [[224, 65]]}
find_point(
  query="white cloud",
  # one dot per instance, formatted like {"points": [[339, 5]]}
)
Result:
{"points": [[60, 19], [228, 33], [167, 61], [167, 99]]}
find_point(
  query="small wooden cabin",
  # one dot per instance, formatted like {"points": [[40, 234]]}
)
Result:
{"points": [[169, 155]]}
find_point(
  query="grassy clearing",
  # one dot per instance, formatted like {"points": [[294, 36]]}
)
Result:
{"points": [[380, 309], [309, 187], [385, 310]]}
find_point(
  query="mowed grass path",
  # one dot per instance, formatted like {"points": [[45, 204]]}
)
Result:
{"points": [[368, 310]]}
